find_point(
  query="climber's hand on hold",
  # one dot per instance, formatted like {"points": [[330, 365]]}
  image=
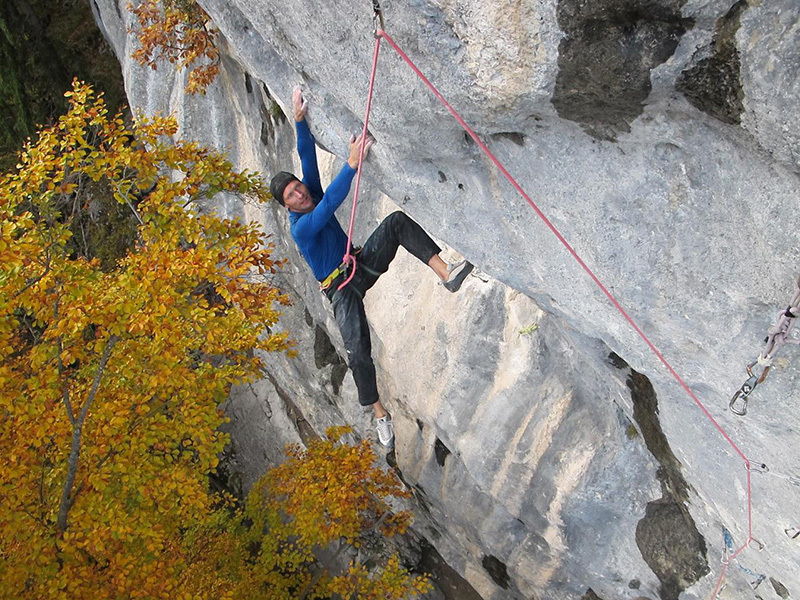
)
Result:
{"points": [[355, 149], [299, 104]]}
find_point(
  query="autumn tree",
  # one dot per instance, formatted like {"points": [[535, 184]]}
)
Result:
{"points": [[180, 32], [111, 371], [127, 311], [328, 497]]}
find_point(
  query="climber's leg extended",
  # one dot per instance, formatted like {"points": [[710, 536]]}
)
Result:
{"points": [[452, 276], [348, 308], [398, 229]]}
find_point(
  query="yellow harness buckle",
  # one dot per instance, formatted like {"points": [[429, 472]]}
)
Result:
{"points": [[326, 283]]}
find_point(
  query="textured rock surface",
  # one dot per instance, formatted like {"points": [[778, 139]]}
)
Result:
{"points": [[543, 465]]}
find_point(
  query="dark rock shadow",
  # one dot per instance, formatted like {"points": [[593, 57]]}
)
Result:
{"points": [[606, 57], [667, 536], [714, 84]]}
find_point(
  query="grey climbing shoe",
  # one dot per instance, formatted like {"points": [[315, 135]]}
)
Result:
{"points": [[458, 273], [385, 431]]}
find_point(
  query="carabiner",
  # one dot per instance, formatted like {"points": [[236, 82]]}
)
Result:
{"points": [[377, 18], [749, 385], [732, 404], [766, 362], [744, 393]]}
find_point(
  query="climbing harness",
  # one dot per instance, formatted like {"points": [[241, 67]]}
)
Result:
{"points": [[342, 269], [776, 337]]}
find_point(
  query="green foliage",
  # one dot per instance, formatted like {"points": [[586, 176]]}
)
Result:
{"points": [[43, 45]]}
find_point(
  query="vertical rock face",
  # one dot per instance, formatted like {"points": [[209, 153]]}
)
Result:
{"points": [[661, 138]]}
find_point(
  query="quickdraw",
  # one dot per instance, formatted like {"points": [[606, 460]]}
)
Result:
{"points": [[763, 468], [738, 403], [776, 337], [377, 18], [728, 554]]}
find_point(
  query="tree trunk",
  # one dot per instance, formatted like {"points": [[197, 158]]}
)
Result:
{"points": [[77, 430]]}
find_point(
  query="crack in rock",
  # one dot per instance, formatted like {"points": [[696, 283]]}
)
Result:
{"points": [[667, 536]]}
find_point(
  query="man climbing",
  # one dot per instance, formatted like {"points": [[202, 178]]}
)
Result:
{"points": [[322, 242]]}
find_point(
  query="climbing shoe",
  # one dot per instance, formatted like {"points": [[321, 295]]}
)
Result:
{"points": [[385, 431], [457, 274]]}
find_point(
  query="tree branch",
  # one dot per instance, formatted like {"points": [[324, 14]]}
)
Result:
{"points": [[319, 574], [35, 280], [111, 453], [128, 202], [64, 383], [72, 462]]}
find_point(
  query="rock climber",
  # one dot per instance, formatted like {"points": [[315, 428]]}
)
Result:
{"points": [[322, 242]]}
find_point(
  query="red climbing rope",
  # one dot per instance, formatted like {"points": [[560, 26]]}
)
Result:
{"points": [[380, 33], [348, 258]]}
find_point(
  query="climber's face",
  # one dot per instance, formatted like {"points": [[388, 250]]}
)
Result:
{"points": [[297, 199]]}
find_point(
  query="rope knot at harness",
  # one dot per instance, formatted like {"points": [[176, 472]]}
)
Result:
{"points": [[349, 263]]}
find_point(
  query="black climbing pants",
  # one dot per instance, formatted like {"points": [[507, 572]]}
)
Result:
{"points": [[348, 303]]}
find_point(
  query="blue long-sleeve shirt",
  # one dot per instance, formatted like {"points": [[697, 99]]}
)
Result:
{"points": [[318, 235]]}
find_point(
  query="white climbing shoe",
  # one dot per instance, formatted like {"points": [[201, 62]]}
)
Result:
{"points": [[385, 431], [457, 274]]}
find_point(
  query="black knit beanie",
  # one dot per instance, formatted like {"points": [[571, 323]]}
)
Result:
{"points": [[279, 183]]}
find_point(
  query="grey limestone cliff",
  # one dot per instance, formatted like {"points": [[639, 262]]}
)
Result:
{"points": [[551, 454]]}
